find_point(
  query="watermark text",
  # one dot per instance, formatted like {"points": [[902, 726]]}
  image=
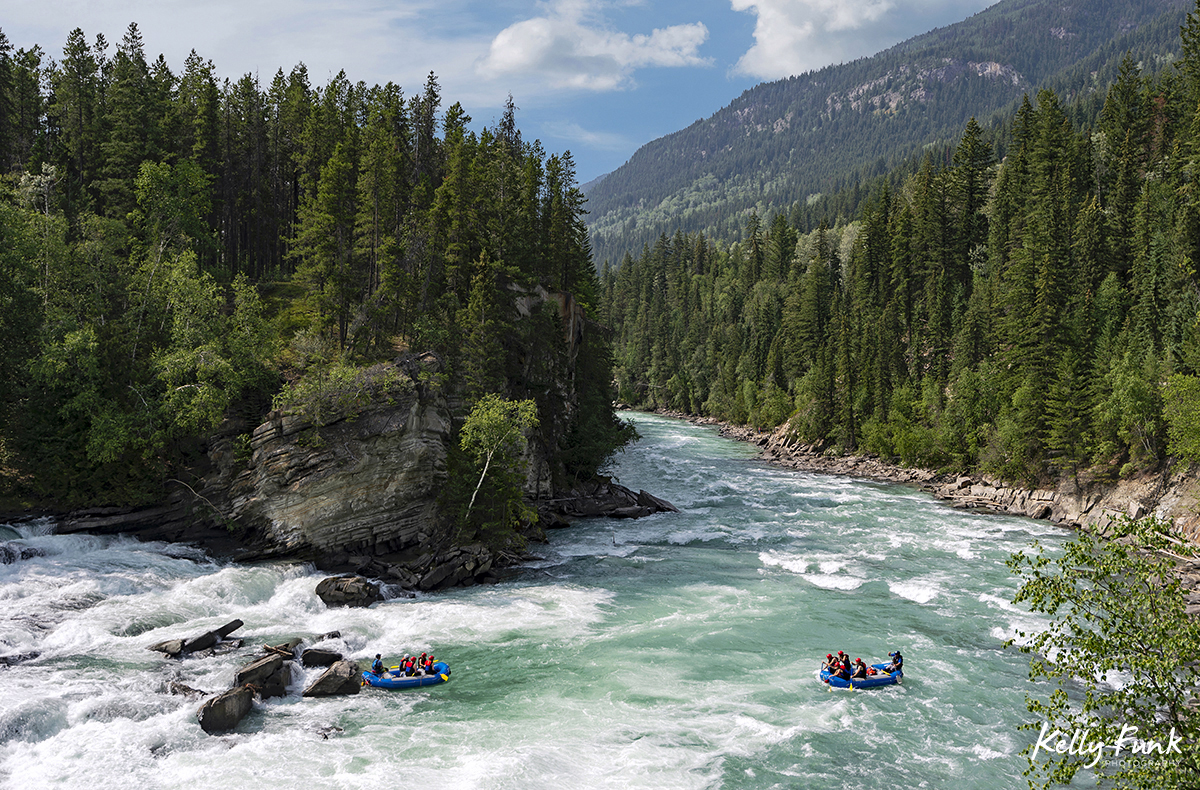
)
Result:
{"points": [[1083, 742]]}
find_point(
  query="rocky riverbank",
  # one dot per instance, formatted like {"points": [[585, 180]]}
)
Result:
{"points": [[353, 489], [1083, 503], [354, 477]]}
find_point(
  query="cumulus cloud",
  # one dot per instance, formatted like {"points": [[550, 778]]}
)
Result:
{"points": [[571, 47], [398, 40], [793, 36]]}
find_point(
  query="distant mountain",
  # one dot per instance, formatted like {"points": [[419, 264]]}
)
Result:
{"points": [[783, 143]]}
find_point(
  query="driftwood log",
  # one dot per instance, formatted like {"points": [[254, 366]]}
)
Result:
{"points": [[175, 648]]}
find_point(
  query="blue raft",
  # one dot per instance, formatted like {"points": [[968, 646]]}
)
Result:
{"points": [[393, 678], [881, 678]]}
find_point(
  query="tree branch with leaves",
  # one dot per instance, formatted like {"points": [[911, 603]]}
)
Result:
{"points": [[1120, 652], [495, 432]]}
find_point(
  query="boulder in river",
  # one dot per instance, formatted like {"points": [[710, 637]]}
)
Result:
{"points": [[646, 499], [15, 552], [16, 658], [343, 678], [276, 684], [348, 591], [600, 496], [207, 640], [171, 647], [257, 672], [178, 687], [223, 712], [319, 657]]}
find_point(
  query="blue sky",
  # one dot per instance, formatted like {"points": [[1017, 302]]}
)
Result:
{"points": [[597, 77]]}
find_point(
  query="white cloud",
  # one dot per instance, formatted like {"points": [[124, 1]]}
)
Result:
{"points": [[576, 134], [373, 40], [793, 36], [570, 47]]}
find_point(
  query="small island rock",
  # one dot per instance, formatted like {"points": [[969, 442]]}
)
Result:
{"points": [[348, 591], [223, 712], [343, 678]]}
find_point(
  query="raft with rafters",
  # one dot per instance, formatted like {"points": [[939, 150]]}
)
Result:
{"points": [[881, 678], [394, 679]]}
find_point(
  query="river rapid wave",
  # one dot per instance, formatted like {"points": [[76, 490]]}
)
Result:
{"points": [[675, 651]]}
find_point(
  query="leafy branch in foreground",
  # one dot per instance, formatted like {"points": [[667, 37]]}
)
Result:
{"points": [[1121, 653]]}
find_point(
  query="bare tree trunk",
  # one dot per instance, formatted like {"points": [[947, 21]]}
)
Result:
{"points": [[482, 475]]}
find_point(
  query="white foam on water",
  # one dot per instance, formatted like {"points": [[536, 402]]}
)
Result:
{"points": [[833, 573], [682, 657], [830, 582], [791, 563], [916, 590], [986, 753]]}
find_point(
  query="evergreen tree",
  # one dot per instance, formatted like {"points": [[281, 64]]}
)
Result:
{"points": [[127, 125], [78, 91]]}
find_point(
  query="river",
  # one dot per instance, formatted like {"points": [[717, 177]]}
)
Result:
{"points": [[675, 651]]}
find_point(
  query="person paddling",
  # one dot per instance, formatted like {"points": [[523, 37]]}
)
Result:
{"points": [[843, 666]]}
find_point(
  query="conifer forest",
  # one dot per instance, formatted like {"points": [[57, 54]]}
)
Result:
{"points": [[1026, 305], [175, 248]]}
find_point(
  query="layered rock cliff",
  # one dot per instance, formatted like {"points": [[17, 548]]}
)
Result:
{"points": [[357, 483], [356, 480], [364, 482]]}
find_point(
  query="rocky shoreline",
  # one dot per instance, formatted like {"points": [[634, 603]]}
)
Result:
{"points": [[1169, 494], [423, 567], [352, 489]]}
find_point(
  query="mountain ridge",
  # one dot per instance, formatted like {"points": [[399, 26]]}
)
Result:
{"points": [[782, 143]]}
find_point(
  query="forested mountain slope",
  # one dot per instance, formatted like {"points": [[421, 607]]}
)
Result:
{"points": [[1031, 317], [781, 143]]}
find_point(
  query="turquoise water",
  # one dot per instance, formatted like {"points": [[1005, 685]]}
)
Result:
{"points": [[676, 651]]}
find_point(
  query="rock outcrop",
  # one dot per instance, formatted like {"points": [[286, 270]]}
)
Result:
{"points": [[12, 551], [269, 675], [366, 482], [12, 659], [223, 712], [353, 483], [1093, 505], [343, 678], [348, 591], [602, 497], [175, 648], [319, 657]]}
